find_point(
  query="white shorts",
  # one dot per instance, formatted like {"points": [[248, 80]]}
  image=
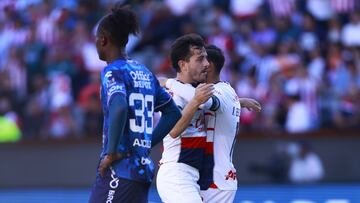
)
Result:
{"points": [[177, 182], [214, 195]]}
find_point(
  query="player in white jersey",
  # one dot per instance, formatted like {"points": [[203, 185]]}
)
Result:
{"points": [[218, 176], [183, 155]]}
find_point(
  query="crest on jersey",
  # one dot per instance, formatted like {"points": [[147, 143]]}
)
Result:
{"points": [[108, 74]]}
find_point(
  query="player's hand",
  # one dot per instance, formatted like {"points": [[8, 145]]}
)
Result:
{"points": [[250, 104], [203, 92], [107, 160], [162, 81]]}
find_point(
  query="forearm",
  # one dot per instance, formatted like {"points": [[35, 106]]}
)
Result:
{"points": [[187, 92], [187, 114], [250, 104], [242, 101], [170, 115], [117, 121]]}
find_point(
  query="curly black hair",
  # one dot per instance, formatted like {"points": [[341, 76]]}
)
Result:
{"points": [[119, 24], [215, 56]]}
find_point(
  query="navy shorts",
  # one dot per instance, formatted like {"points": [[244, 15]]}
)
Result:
{"points": [[111, 189]]}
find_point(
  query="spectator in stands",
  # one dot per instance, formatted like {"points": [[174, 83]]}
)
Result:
{"points": [[56, 37], [9, 123], [277, 168], [36, 111], [298, 118], [305, 165], [350, 34]]}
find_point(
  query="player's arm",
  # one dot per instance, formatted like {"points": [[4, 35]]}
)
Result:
{"points": [[170, 114], [202, 94], [187, 92], [118, 111], [114, 87], [250, 104]]}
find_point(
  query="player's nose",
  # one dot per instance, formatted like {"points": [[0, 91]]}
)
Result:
{"points": [[206, 64]]}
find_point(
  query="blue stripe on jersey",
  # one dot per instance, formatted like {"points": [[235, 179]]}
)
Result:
{"points": [[192, 157], [206, 173]]}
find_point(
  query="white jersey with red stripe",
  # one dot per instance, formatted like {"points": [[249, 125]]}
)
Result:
{"points": [[222, 127], [188, 148]]}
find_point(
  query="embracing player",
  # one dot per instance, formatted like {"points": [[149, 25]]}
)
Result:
{"points": [[218, 181], [183, 155], [130, 94]]}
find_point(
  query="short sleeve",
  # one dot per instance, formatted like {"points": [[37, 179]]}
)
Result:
{"points": [[220, 99], [113, 84], [162, 97]]}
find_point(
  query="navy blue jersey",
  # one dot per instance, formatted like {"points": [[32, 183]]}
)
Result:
{"points": [[144, 96]]}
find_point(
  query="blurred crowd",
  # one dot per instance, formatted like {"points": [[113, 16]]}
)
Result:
{"points": [[299, 58], [291, 162]]}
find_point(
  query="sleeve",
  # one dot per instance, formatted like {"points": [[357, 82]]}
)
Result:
{"points": [[187, 92], [161, 98], [219, 99], [113, 84], [117, 121], [170, 115]]}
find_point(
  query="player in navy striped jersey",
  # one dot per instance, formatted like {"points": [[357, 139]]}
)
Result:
{"points": [[183, 155], [218, 181], [130, 94]]}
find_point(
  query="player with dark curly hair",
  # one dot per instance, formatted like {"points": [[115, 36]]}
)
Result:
{"points": [[130, 94]]}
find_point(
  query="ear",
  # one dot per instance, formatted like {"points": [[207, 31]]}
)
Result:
{"points": [[103, 40], [183, 66]]}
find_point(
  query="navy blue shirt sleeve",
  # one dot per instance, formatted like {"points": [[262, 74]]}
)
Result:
{"points": [[169, 117], [113, 84], [161, 98], [115, 97], [170, 114], [118, 110]]}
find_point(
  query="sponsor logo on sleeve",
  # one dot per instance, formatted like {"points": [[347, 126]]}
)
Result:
{"points": [[115, 88]]}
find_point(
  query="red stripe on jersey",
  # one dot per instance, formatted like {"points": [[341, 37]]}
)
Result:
{"points": [[209, 148], [193, 142], [210, 129], [213, 185], [209, 114]]}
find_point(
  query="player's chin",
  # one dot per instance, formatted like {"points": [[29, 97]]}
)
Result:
{"points": [[203, 77]]}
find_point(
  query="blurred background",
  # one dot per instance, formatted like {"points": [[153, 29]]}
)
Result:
{"points": [[299, 58]]}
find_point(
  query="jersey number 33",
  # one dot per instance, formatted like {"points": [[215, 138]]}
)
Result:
{"points": [[144, 108]]}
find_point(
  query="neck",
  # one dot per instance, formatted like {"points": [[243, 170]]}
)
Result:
{"points": [[114, 55], [183, 78], [213, 78]]}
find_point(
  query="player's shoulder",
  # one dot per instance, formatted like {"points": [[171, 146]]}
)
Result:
{"points": [[225, 93], [224, 87], [110, 69], [138, 70], [122, 65], [179, 101]]}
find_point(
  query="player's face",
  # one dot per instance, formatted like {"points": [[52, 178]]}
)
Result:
{"points": [[211, 73], [198, 65], [99, 42]]}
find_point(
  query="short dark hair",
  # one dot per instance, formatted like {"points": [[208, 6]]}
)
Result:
{"points": [[120, 23], [181, 48], [215, 56]]}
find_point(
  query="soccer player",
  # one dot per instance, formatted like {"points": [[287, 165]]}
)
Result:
{"points": [[218, 181], [183, 155], [130, 94]]}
